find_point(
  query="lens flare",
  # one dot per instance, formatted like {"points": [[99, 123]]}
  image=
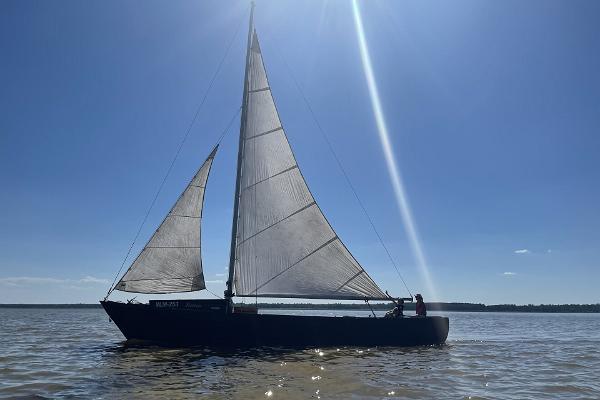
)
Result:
{"points": [[392, 166]]}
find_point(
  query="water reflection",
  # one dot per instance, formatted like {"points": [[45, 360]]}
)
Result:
{"points": [[272, 372]]}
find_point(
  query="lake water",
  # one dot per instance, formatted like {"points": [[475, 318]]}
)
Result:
{"points": [[73, 353]]}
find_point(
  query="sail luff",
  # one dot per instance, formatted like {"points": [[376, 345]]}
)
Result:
{"points": [[234, 225], [171, 260]]}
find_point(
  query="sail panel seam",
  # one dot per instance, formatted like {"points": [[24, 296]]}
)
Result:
{"points": [[265, 133], [272, 176], [350, 280], [259, 90], [297, 262], [275, 223]]}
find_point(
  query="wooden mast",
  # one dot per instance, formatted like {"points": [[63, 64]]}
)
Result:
{"points": [[234, 227]]}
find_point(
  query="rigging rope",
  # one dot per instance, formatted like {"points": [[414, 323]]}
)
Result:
{"points": [[339, 163], [211, 292], [187, 133], [226, 130]]}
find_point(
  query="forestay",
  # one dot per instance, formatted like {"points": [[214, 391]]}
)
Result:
{"points": [[171, 260], [284, 247]]}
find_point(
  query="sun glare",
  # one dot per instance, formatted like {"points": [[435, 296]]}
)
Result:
{"points": [[392, 165]]}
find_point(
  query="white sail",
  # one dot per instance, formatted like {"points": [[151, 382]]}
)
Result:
{"points": [[171, 260], [284, 246]]}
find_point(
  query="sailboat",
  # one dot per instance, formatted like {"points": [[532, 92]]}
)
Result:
{"points": [[282, 246]]}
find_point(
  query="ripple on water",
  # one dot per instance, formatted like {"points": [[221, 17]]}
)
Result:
{"points": [[77, 353]]}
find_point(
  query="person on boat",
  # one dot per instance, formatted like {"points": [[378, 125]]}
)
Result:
{"points": [[420, 308], [398, 310]]}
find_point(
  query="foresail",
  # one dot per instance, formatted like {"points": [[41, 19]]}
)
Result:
{"points": [[171, 261], [284, 247]]}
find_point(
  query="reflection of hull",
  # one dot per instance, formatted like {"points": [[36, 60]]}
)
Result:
{"points": [[205, 322]]}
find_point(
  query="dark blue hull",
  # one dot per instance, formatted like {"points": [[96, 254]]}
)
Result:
{"points": [[209, 323]]}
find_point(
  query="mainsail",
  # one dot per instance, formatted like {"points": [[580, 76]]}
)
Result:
{"points": [[171, 261], [284, 246]]}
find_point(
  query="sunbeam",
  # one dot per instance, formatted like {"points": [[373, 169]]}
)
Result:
{"points": [[394, 171]]}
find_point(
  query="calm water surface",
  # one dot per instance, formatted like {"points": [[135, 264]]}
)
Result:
{"points": [[79, 354]]}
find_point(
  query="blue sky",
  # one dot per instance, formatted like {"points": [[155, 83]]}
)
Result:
{"points": [[493, 110]]}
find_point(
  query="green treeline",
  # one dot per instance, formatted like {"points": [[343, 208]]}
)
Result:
{"points": [[473, 307]]}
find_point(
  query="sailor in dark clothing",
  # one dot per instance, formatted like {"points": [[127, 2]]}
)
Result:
{"points": [[398, 310], [399, 307], [420, 306]]}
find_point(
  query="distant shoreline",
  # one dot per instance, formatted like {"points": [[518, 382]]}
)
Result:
{"points": [[466, 307]]}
